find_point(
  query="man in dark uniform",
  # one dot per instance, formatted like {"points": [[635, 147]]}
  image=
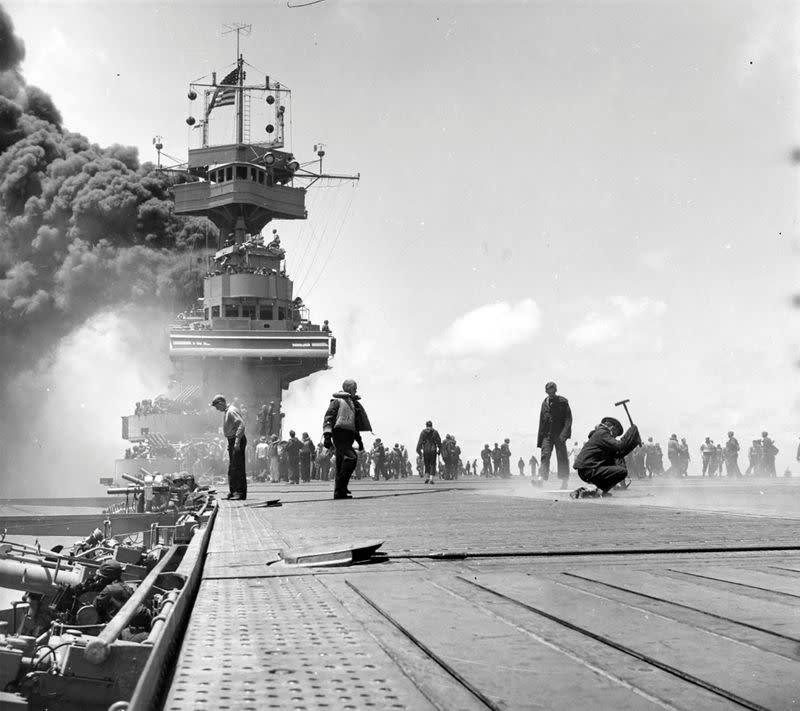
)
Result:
{"points": [[731, 456], [233, 429], [505, 459], [555, 428], [600, 462], [343, 424], [486, 461], [379, 459], [292, 449], [768, 453], [307, 454], [428, 446], [497, 456]]}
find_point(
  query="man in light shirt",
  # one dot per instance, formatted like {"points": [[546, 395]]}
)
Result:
{"points": [[233, 429]]}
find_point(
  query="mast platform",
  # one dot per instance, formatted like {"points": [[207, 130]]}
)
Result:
{"points": [[491, 595]]}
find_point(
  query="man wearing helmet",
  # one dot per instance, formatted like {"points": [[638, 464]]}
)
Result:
{"points": [[600, 462], [342, 426]]}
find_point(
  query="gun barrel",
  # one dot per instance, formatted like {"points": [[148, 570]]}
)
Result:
{"points": [[32, 577]]}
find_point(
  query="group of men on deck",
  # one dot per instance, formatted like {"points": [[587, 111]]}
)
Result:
{"points": [[601, 461]]}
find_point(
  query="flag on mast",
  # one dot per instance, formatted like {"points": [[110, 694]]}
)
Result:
{"points": [[225, 95]]}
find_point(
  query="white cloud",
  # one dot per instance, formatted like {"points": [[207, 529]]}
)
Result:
{"points": [[488, 329], [596, 328]]}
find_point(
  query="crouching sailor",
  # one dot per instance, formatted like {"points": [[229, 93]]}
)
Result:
{"points": [[344, 422], [600, 462]]}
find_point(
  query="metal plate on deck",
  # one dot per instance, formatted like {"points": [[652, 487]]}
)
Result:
{"points": [[282, 643]]}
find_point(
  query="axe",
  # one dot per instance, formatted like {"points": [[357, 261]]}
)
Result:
{"points": [[624, 404]]}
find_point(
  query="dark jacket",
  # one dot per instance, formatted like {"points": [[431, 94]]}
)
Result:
{"points": [[292, 448], [429, 441], [603, 449], [307, 449], [555, 419], [346, 412]]}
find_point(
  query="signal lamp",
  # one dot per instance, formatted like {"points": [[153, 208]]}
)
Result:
{"points": [[269, 159], [293, 166]]}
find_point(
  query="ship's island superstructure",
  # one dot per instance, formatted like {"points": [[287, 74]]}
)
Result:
{"points": [[251, 336]]}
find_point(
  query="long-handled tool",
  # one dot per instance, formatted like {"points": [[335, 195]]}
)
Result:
{"points": [[624, 404]]}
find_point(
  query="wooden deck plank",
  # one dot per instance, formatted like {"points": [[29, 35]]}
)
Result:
{"points": [[756, 677], [781, 619], [514, 667]]}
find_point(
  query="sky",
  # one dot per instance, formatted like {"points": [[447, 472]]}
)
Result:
{"points": [[600, 194]]}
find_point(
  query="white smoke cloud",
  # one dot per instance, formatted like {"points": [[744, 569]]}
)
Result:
{"points": [[488, 329], [599, 328]]}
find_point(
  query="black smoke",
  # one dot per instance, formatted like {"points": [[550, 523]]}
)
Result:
{"points": [[82, 228]]}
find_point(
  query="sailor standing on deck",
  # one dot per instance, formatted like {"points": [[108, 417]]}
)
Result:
{"points": [[343, 424], [555, 428], [233, 429]]}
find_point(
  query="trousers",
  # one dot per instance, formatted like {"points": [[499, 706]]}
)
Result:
{"points": [[604, 477], [346, 460], [237, 479], [548, 444]]}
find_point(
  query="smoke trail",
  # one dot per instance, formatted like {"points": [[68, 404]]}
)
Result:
{"points": [[83, 229]]}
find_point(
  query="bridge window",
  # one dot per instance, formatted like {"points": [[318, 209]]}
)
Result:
{"points": [[249, 311], [231, 310], [266, 313], [229, 173], [221, 175], [241, 172], [253, 174], [205, 313], [260, 177], [281, 313], [215, 312]]}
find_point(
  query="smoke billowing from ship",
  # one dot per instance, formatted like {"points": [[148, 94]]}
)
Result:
{"points": [[83, 229]]}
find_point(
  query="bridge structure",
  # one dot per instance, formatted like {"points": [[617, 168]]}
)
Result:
{"points": [[486, 595]]}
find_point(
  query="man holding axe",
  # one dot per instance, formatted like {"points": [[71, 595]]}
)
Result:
{"points": [[601, 461]]}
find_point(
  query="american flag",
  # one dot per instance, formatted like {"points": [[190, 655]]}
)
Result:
{"points": [[225, 95]]}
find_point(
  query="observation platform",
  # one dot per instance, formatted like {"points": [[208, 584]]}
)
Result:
{"points": [[495, 595]]}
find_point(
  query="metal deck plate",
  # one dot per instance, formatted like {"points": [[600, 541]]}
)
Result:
{"points": [[282, 643]]}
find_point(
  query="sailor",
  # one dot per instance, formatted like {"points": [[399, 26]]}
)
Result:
{"points": [[555, 428], [674, 456], [521, 466], [428, 446], [114, 594], [292, 450], [497, 457], [322, 463], [754, 458], [768, 453], [685, 457], [344, 421], [270, 418], [505, 458], [707, 450], [598, 463], [379, 459], [533, 463], [233, 429], [307, 453], [274, 460], [262, 458], [486, 461]]}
